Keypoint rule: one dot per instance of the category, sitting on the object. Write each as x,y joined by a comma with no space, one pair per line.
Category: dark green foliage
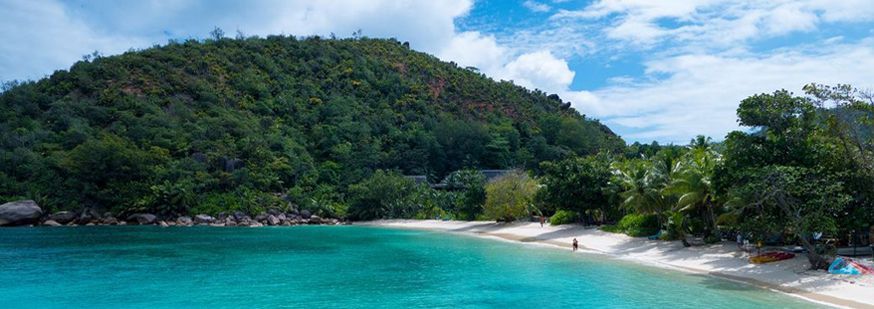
564,217
201,125
469,188
638,225
383,195
788,177
576,184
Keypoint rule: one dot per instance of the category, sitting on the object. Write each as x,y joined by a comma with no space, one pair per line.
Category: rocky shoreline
28,213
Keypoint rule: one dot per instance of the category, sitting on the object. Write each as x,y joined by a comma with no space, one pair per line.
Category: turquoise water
332,266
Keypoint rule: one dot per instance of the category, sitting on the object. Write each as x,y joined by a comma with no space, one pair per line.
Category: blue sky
651,70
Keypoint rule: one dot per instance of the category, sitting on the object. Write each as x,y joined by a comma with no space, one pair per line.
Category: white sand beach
722,260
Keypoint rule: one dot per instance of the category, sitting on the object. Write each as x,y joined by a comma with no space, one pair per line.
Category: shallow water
333,266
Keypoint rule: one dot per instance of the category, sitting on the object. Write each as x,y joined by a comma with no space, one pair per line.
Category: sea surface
333,267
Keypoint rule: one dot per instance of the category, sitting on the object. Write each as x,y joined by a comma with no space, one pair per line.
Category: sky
661,71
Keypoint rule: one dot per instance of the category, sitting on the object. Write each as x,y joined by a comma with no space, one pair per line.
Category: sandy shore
721,260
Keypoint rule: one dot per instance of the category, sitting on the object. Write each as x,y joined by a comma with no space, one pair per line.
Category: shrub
564,217
637,225
382,195
472,192
612,228
510,197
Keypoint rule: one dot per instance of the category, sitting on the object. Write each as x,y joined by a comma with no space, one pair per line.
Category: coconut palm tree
691,183
641,185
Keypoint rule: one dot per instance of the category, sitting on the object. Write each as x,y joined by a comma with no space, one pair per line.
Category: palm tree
641,185
691,182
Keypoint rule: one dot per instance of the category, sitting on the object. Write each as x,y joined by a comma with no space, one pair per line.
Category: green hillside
237,123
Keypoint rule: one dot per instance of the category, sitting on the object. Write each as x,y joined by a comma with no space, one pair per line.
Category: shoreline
723,260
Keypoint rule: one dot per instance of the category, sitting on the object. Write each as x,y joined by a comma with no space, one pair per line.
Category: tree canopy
201,124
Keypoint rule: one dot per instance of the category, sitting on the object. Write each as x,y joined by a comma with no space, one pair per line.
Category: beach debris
771,257
848,266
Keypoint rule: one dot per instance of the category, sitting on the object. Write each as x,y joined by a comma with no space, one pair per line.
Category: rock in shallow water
142,219
63,217
272,220
184,221
203,219
109,220
19,213
51,222
315,219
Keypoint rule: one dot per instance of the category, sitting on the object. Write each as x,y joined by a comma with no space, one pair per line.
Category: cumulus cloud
721,22
535,6
539,70
702,92
476,50
42,36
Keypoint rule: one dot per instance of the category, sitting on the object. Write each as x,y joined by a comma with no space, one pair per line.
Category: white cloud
535,6
40,37
476,50
539,70
702,92
43,36
715,22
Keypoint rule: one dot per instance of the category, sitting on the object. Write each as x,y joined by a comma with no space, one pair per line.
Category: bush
510,197
637,225
612,228
472,193
564,217
383,195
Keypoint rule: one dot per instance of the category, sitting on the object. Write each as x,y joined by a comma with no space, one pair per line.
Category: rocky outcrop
238,215
272,220
51,223
142,219
19,213
203,219
63,217
184,221
315,220
109,220
88,215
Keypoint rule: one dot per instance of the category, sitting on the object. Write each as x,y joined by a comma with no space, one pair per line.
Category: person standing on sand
576,245
542,219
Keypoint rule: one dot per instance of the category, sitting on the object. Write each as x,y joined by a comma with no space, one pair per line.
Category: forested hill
233,123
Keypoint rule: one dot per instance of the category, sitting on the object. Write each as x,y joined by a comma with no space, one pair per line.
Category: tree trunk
709,203
816,260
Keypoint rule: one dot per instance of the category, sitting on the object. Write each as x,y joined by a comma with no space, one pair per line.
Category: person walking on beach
576,245
542,219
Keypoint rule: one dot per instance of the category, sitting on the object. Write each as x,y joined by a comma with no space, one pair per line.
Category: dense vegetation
251,123
803,166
